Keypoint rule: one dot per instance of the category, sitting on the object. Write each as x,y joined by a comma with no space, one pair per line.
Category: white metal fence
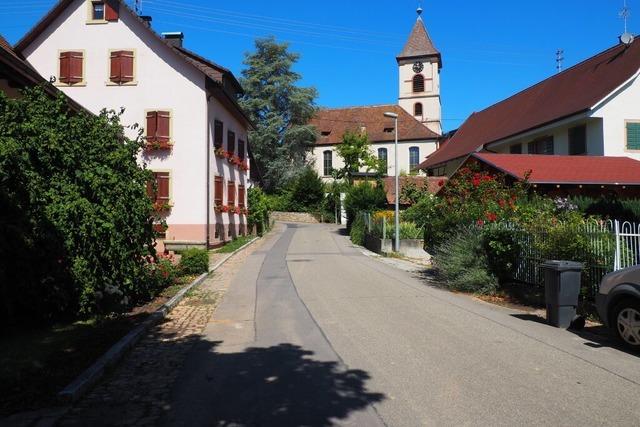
608,246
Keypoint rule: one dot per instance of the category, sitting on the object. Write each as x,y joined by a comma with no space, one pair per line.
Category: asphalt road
313,332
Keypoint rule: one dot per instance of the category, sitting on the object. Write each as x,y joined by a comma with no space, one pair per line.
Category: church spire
419,43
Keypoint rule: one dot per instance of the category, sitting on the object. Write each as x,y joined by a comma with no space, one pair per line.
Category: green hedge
194,261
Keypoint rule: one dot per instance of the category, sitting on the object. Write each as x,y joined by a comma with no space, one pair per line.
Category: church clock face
418,67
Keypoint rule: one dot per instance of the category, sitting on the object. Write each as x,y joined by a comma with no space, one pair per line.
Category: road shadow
596,336
279,385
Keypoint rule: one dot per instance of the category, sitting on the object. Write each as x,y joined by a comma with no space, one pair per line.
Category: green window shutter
633,136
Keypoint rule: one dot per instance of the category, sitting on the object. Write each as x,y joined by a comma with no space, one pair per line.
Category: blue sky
491,49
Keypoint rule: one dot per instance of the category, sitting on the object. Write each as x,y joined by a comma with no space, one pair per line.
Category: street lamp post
394,116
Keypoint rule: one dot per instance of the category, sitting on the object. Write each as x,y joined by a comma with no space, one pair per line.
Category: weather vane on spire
419,10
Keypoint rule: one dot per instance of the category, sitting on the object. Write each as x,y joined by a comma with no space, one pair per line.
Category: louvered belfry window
121,66
71,65
418,83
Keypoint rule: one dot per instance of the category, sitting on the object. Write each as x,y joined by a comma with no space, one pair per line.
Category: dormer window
325,133
97,11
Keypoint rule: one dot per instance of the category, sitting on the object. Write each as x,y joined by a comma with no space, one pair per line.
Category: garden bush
463,263
162,274
364,197
194,261
358,230
75,218
307,192
258,216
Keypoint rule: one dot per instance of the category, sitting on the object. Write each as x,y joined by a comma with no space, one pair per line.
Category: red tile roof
545,169
419,43
432,183
5,45
575,90
337,121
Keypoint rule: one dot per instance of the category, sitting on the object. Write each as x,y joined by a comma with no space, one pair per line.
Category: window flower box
161,206
157,146
221,153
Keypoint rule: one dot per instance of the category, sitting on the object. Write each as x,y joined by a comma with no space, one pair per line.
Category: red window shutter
231,142
65,67
241,196
218,129
163,133
218,190
162,178
152,126
116,67
126,66
231,193
111,9
75,67
241,149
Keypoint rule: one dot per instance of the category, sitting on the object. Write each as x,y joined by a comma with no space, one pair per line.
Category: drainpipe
208,177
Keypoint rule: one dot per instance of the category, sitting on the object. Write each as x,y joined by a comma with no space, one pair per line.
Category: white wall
426,148
430,98
623,106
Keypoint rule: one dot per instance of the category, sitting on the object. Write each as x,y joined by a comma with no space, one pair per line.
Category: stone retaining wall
294,217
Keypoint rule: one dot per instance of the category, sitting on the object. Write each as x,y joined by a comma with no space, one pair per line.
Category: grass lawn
35,364
233,245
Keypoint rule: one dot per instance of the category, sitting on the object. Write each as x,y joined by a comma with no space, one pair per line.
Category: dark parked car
618,303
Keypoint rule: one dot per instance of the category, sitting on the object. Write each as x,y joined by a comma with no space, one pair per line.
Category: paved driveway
313,332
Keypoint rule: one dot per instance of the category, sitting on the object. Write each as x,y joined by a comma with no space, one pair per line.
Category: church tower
420,64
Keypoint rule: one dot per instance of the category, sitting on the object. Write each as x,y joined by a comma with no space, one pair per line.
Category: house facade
103,55
419,114
590,109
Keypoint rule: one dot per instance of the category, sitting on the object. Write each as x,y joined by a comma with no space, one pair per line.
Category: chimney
147,20
174,39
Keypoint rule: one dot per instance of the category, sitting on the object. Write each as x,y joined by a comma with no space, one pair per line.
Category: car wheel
626,322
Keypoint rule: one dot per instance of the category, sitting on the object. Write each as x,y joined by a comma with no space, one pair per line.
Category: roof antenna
625,14
559,59
138,7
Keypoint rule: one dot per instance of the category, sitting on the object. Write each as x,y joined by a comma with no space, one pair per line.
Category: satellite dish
626,38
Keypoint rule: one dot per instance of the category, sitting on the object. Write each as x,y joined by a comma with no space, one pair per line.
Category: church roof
333,123
419,43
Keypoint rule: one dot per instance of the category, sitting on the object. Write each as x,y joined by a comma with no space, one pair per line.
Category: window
218,190
541,146
578,140
418,83
388,130
218,129
382,156
417,109
515,149
97,11
414,157
325,133
633,135
231,142
104,11
71,67
161,193
328,162
241,149
158,127
121,66
231,193
241,196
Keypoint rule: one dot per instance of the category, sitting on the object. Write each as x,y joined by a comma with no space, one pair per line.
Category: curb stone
87,379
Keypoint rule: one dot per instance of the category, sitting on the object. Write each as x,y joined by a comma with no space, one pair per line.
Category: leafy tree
364,197
280,110
258,210
355,151
75,219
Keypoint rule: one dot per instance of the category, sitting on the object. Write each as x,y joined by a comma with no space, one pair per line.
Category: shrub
462,260
408,230
258,210
307,192
357,231
422,212
364,197
503,248
279,202
194,261
162,275
609,207
75,218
